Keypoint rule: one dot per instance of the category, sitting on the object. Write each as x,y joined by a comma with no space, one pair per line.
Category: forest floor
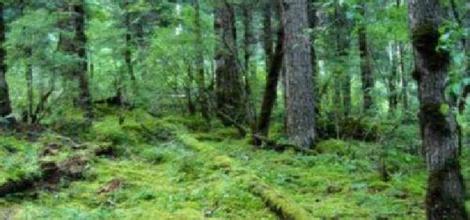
176,168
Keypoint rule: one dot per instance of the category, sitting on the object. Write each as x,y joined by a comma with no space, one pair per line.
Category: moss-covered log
51,173
279,204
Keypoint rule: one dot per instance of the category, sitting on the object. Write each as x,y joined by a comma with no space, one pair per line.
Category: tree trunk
80,40
366,64
188,90
5,106
200,77
392,79
300,103
445,197
404,77
29,85
268,35
343,85
128,49
229,88
270,92
248,72
312,21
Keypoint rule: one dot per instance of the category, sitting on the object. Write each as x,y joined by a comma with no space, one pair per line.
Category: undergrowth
177,168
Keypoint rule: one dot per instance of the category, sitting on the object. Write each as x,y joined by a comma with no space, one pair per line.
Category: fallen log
50,174
284,208
274,145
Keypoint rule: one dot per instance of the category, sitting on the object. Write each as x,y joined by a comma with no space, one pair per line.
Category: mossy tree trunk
229,87
5,106
300,104
445,197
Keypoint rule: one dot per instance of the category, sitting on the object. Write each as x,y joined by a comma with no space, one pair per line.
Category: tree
343,84
229,88
366,64
272,81
300,105
5,106
445,193
85,100
77,46
128,48
392,78
268,34
200,74
248,40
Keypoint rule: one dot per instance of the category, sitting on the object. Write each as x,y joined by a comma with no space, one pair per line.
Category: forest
234,109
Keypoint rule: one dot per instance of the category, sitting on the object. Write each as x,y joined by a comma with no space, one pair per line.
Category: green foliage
19,158
332,147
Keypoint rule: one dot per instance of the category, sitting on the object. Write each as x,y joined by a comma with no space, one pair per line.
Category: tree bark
85,100
300,104
404,77
5,105
29,86
229,88
200,74
270,92
188,90
445,197
366,64
312,21
392,79
268,35
248,72
128,49
343,86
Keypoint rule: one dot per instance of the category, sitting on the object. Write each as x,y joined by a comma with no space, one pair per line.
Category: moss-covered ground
177,168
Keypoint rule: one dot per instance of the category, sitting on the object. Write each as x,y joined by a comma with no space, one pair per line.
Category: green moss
279,203
333,146
183,176
109,129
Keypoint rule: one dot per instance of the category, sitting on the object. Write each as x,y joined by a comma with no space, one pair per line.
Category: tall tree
343,84
229,86
128,48
200,74
300,105
268,34
445,197
366,63
5,106
404,77
248,40
85,100
312,21
392,78
270,92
